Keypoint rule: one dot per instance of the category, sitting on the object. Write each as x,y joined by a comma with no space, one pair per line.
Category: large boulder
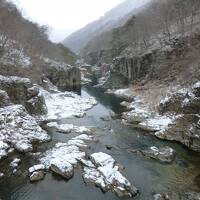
37,176
36,102
64,169
163,154
104,172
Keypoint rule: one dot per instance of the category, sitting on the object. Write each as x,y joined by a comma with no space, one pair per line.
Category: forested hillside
24,44
157,26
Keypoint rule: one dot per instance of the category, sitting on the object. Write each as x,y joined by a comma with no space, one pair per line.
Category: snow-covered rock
102,159
68,128
104,173
126,94
65,156
4,148
37,176
19,130
62,168
69,152
164,154
66,105
15,163
156,123
38,167
1,175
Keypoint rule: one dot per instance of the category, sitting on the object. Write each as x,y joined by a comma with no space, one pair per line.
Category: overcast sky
65,16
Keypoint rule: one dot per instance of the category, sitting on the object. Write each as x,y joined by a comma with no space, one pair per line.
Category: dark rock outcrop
64,77
22,91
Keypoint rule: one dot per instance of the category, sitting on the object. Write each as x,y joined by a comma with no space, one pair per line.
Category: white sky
65,16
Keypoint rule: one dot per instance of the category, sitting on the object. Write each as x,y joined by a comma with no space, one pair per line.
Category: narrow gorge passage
114,138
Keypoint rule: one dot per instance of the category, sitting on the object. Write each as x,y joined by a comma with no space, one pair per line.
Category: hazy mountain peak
113,18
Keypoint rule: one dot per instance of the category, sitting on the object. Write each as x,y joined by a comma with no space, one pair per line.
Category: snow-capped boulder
37,176
163,154
35,103
62,168
103,172
38,167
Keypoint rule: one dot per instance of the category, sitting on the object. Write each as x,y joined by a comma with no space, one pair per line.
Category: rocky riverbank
20,131
175,117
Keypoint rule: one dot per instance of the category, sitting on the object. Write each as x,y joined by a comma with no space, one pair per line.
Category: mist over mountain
112,19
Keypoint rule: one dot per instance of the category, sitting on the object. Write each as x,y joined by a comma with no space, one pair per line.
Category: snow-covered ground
66,105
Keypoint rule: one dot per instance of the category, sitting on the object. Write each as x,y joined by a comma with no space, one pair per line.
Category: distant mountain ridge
112,19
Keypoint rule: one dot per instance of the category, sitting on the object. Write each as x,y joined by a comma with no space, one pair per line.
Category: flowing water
148,175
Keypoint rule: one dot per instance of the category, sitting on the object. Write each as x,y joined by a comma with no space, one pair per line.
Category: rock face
64,77
19,130
21,91
186,128
103,172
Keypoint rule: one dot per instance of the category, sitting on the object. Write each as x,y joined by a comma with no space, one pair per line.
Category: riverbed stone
62,168
37,176
163,154
38,167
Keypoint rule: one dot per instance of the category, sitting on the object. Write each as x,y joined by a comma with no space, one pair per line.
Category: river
148,175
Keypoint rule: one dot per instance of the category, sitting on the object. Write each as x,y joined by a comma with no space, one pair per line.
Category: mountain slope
113,18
